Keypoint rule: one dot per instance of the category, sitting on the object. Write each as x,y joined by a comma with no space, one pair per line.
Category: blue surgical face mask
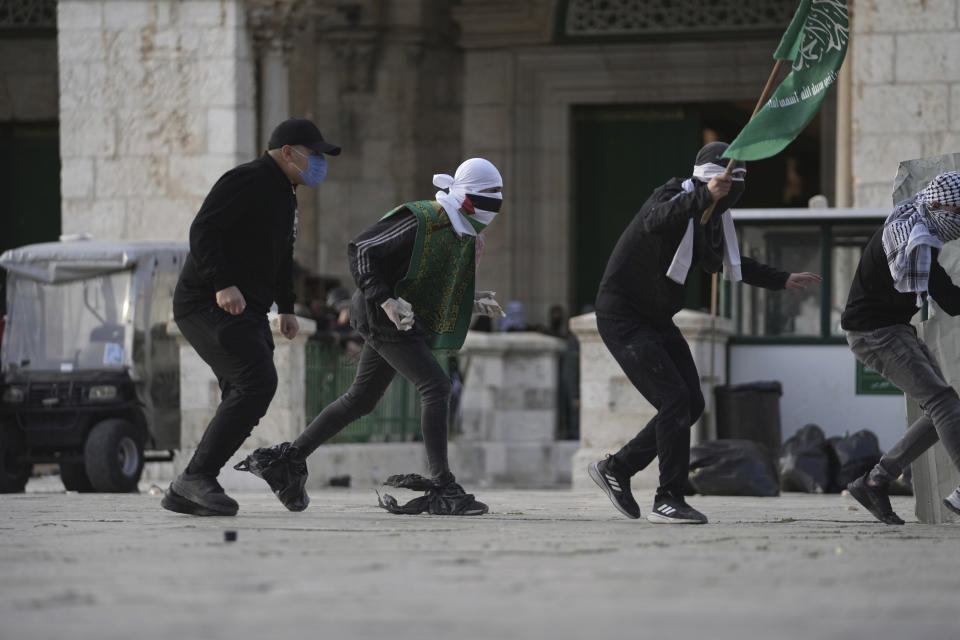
316,169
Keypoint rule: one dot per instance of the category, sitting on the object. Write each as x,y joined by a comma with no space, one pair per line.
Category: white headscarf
683,257
471,177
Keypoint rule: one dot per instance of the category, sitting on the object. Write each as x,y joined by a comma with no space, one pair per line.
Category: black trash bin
750,411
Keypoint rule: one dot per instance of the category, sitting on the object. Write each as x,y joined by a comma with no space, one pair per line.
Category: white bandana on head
914,228
471,177
683,258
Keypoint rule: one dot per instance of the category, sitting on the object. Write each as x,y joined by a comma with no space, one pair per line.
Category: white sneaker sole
594,473
656,518
949,505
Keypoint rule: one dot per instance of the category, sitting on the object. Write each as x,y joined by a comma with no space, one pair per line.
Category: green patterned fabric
440,280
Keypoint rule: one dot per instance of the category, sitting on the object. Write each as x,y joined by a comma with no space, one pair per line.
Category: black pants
379,363
239,349
658,363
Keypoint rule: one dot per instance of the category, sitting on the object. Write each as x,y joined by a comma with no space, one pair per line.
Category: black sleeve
758,274
942,289
663,210
390,241
283,288
223,210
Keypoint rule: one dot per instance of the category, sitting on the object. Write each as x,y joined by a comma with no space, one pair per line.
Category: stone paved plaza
543,564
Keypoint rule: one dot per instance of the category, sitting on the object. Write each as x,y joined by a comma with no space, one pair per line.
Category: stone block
919,62
876,157
518,425
103,218
81,44
191,176
204,13
489,129
84,85
130,177
128,14
151,131
76,178
873,195
87,132
222,130
902,109
79,14
160,218
873,58
378,160
877,16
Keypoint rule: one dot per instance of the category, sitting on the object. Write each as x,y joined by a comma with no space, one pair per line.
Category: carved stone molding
275,24
497,23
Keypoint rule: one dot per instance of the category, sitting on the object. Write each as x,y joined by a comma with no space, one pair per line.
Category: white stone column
612,411
509,410
156,102
200,396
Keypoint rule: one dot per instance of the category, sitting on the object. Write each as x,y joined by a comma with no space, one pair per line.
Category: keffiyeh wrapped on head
915,228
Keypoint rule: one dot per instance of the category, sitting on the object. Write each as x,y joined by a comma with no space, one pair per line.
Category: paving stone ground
542,564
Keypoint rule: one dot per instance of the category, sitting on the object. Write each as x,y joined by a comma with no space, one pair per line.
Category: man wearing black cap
240,263
641,290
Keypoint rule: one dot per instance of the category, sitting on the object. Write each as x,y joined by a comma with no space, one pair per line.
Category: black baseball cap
294,131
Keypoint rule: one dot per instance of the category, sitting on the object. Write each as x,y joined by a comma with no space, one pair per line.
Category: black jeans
239,349
659,364
379,362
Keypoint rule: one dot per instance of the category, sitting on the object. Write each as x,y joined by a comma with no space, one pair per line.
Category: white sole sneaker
656,518
952,501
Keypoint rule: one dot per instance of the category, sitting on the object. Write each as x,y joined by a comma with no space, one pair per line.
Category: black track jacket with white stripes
379,259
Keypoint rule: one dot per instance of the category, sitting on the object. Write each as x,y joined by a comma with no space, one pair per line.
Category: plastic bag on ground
855,455
448,500
732,468
805,462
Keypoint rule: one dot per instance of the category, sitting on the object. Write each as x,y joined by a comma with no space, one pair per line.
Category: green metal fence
330,372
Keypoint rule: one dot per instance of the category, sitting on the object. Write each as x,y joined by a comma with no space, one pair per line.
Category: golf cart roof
56,262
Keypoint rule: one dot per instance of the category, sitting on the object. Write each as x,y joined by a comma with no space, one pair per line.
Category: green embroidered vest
440,280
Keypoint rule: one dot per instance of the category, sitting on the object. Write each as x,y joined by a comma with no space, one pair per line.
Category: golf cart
90,378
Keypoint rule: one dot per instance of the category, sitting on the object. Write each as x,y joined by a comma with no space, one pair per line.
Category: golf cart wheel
14,473
74,477
113,456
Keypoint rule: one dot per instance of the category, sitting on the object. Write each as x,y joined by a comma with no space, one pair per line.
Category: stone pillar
612,411
156,102
200,395
509,409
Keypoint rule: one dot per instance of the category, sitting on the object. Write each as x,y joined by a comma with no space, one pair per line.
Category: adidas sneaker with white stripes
616,486
668,509
952,501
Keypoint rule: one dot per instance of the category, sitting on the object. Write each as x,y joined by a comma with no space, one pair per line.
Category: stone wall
383,80
156,102
906,89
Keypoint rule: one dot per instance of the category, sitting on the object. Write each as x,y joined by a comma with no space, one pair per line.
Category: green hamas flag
816,42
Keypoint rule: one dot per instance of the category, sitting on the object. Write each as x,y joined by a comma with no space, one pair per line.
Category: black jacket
635,282
379,259
242,236
873,301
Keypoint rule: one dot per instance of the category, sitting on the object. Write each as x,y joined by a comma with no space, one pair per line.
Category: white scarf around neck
683,258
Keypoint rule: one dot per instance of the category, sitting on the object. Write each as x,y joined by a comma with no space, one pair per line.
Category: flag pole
767,90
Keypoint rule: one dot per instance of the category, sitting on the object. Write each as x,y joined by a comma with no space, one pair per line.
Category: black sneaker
952,501
670,509
198,495
452,500
616,486
875,499
280,467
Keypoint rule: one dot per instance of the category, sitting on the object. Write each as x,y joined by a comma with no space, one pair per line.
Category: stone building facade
159,97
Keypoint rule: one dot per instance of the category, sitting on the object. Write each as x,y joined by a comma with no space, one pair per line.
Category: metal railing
329,373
